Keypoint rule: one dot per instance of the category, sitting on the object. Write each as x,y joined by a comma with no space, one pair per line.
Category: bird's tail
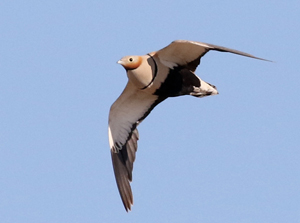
205,89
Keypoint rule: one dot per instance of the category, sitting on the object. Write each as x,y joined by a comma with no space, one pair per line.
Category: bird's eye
130,59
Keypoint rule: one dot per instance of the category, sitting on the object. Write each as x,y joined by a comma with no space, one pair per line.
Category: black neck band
154,75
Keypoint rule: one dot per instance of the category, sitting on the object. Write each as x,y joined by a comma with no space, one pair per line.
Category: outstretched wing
188,53
125,114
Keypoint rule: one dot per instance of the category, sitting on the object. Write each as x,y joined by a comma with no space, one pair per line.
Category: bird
152,78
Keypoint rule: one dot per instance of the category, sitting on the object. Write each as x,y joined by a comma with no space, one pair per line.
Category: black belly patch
180,81
172,84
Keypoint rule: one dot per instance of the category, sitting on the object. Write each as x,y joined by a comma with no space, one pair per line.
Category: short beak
120,62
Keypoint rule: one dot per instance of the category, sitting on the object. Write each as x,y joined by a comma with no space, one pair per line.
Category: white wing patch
110,138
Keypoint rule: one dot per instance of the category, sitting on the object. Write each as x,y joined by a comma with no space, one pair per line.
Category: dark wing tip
122,179
123,166
225,49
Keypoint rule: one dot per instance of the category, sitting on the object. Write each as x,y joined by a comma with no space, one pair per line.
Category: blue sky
233,157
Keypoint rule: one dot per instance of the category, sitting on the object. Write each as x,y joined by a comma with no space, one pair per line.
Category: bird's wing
123,166
126,113
188,53
132,106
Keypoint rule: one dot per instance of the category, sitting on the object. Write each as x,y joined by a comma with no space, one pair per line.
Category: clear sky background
230,158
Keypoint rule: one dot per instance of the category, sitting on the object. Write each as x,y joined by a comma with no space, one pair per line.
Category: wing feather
123,166
184,52
126,113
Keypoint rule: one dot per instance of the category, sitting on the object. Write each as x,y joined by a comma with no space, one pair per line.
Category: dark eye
130,59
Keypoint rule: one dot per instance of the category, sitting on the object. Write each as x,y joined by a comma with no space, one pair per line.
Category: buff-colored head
130,62
139,69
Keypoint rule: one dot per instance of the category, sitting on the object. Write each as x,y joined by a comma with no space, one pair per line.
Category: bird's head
139,69
130,62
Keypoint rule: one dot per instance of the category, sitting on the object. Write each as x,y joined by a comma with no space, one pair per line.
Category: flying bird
152,78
